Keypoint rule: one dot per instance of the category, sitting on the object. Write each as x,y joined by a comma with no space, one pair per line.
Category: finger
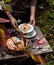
30,21
33,23
4,20
13,25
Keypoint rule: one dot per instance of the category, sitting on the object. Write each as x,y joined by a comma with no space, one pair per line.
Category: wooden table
34,51
44,47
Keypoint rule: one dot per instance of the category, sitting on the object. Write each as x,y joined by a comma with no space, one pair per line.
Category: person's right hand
12,19
14,23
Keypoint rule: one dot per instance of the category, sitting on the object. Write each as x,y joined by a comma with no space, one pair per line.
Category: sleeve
3,14
33,2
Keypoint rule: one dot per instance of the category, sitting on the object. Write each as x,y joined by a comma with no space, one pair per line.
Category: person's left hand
32,20
3,20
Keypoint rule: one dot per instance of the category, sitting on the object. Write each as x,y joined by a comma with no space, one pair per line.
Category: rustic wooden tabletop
45,48
42,49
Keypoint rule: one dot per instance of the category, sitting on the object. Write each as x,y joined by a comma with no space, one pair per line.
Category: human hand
13,22
2,20
32,20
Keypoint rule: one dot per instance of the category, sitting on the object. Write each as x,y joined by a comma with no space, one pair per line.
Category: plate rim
26,31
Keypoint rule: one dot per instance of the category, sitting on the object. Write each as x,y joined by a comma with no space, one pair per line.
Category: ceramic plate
31,28
31,36
15,43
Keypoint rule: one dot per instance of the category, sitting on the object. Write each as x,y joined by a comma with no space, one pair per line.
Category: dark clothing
20,7
20,10
24,19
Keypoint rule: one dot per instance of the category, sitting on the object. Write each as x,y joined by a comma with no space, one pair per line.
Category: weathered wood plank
46,45
34,51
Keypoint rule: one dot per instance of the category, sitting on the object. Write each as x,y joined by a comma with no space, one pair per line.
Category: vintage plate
33,34
24,31
15,44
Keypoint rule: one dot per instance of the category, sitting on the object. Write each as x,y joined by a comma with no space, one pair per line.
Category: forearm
32,11
8,13
33,4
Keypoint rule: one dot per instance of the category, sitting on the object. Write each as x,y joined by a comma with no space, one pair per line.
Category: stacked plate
28,30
